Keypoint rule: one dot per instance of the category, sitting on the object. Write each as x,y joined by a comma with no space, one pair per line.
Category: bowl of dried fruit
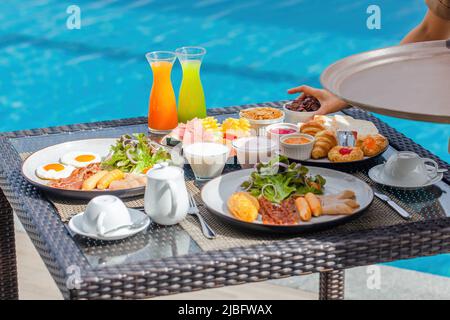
301,109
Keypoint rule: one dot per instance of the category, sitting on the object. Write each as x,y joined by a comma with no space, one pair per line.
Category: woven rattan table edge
173,264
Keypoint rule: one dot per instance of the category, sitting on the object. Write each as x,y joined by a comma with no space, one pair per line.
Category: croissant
372,145
325,140
312,128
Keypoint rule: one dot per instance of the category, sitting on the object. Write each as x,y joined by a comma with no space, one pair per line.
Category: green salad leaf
134,154
278,179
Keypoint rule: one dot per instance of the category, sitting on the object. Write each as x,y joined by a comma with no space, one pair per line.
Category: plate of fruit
208,129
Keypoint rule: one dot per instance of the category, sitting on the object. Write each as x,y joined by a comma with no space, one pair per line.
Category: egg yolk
54,166
85,158
146,170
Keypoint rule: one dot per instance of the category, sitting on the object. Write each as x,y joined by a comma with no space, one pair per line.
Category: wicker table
83,271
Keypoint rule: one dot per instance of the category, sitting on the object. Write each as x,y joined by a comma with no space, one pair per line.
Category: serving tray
408,81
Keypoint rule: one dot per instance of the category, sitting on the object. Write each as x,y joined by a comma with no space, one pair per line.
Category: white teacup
408,169
104,213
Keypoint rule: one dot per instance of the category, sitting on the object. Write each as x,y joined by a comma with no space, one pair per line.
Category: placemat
422,204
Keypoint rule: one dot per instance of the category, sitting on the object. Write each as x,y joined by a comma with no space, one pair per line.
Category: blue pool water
257,49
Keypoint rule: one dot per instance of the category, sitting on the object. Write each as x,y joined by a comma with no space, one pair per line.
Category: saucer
75,224
376,175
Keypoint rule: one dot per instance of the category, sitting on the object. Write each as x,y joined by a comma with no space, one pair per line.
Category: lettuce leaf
278,179
133,154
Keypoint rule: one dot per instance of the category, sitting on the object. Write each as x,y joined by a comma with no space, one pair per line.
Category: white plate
75,224
375,174
216,193
53,154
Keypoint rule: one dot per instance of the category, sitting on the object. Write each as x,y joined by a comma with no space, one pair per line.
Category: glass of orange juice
162,110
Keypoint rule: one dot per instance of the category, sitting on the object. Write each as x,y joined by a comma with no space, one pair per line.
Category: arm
431,28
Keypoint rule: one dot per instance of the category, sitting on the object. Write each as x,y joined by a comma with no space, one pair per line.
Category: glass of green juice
191,98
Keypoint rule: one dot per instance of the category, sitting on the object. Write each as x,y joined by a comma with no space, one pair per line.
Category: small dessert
372,145
345,154
312,128
262,113
324,142
305,103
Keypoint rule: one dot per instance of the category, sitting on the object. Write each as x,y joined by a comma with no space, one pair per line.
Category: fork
193,210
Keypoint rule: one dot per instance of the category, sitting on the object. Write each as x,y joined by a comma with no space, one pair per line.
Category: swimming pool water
51,75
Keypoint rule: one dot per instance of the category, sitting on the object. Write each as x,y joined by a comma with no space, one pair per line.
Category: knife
402,212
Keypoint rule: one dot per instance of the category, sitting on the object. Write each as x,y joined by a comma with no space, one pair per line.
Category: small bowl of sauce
297,146
297,140
278,130
282,131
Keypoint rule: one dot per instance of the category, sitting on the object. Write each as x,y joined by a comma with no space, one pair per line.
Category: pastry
345,154
372,145
312,128
325,140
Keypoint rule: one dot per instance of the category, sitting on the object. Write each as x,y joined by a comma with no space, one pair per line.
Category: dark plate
216,193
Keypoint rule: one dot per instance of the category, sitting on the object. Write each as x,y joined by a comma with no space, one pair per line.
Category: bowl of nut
261,117
301,109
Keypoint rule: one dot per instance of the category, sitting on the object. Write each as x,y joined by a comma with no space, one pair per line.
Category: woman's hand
329,103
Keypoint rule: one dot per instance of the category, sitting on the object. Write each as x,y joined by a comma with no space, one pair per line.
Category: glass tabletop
155,243
160,242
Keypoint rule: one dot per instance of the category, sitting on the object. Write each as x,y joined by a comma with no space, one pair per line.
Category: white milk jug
166,198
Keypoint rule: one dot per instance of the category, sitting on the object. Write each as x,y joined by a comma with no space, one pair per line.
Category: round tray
409,81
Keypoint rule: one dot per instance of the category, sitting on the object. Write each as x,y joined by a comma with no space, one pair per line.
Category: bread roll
312,128
325,140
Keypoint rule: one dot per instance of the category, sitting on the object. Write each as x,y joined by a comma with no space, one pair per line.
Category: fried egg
80,159
54,171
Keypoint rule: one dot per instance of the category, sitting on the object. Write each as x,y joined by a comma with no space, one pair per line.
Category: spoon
135,225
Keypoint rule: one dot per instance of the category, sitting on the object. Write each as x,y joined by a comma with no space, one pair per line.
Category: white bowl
252,150
259,127
297,151
276,136
297,116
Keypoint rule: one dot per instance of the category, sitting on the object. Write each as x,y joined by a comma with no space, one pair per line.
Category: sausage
314,204
303,209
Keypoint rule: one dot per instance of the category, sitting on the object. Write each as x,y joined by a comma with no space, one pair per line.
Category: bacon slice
75,180
284,214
